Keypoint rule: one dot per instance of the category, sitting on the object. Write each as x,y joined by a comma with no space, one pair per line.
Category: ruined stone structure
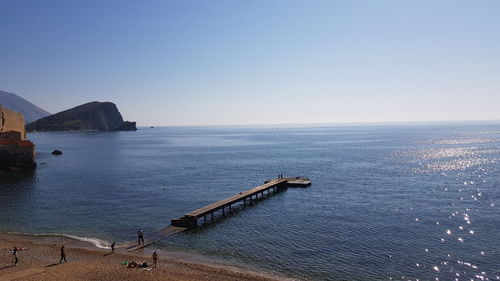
11,120
16,153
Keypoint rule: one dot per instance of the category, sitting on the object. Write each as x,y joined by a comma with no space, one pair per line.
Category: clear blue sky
256,61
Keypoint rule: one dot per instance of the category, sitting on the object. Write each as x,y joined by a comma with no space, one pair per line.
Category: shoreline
88,262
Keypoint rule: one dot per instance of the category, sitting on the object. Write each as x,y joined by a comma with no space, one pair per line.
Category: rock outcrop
30,111
92,116
127,126
15,152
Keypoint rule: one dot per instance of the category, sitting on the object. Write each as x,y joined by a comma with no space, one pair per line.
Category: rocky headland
92,116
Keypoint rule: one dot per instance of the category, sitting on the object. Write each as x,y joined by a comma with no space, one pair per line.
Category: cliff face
92,116
30,111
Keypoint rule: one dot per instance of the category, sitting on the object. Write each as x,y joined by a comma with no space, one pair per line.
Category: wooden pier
190,220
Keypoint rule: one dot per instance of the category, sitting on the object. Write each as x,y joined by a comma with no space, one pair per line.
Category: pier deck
190,220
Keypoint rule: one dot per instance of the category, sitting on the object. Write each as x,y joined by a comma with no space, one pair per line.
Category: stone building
16,153
11,120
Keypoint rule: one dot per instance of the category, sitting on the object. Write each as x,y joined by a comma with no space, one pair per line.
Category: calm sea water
400,202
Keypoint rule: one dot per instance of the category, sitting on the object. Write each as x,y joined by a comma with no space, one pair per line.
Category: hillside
92,116
30,111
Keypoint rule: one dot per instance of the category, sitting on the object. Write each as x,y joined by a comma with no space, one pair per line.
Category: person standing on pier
140,237
63,255
155,258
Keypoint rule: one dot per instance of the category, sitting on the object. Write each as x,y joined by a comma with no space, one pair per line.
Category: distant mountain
30,111
92,116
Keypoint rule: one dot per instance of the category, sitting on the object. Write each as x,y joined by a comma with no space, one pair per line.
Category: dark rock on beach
56,152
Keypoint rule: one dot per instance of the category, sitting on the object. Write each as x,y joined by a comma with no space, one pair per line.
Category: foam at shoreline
99,243
46,237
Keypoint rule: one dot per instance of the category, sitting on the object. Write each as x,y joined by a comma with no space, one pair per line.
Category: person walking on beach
14,252
155,258
63,255
113,247
140,237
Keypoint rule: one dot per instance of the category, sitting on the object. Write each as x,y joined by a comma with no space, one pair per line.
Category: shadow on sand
7,266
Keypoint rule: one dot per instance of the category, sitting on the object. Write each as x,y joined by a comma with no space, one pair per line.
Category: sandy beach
86,262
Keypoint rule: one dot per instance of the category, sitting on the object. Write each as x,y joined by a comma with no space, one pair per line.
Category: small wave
99,243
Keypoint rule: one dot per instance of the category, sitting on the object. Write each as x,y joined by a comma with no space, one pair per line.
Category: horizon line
361,123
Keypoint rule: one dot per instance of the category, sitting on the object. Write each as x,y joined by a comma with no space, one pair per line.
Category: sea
416,201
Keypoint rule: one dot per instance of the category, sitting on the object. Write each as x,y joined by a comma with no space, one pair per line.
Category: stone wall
11,120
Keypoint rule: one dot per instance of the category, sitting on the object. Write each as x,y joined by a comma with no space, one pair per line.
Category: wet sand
86,262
